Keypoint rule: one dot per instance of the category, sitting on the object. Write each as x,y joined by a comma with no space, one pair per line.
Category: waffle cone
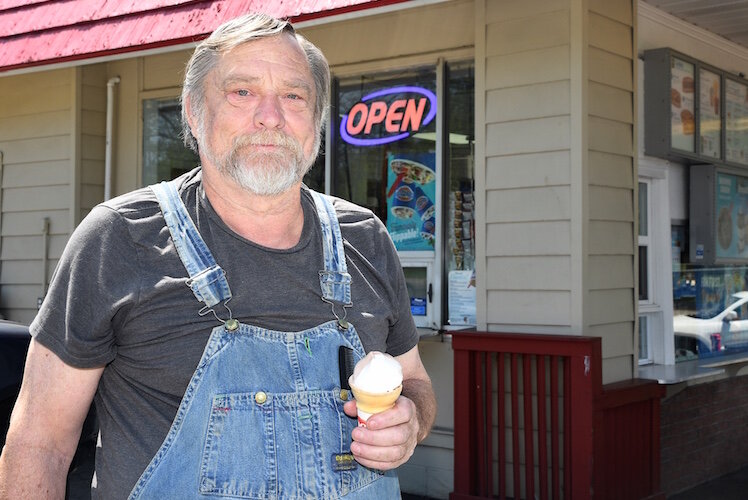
375,402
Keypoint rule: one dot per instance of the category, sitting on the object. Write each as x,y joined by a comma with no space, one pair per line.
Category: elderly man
205,316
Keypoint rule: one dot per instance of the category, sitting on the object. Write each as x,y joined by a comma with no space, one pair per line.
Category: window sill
697,370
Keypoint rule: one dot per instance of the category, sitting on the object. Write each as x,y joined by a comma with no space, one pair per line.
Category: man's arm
45,426
390,437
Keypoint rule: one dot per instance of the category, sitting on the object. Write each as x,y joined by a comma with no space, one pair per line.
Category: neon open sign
400,117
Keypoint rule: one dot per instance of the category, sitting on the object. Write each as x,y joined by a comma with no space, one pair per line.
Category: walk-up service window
403,147
695,115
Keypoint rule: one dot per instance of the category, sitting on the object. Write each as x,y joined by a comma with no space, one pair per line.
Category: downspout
109,133
45,256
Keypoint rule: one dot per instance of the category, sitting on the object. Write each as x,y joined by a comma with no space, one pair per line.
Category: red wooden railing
532,417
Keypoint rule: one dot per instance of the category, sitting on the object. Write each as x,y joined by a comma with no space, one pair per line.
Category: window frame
658,308
165,93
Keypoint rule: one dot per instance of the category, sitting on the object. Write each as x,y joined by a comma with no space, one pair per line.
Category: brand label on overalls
343,461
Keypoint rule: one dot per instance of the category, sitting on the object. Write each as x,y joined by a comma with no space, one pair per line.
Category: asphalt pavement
732,486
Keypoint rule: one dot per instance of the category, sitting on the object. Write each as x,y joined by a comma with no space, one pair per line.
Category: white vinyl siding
558,148
36,145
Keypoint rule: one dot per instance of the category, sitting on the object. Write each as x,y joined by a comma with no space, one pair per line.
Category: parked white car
728,329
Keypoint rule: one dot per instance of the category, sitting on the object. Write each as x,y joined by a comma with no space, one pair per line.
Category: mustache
265,138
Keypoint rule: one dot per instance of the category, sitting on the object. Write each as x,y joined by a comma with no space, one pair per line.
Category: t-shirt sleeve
93,287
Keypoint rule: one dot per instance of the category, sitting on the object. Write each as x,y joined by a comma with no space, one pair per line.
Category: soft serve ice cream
376,384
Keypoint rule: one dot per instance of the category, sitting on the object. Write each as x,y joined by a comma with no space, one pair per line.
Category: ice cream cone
369,404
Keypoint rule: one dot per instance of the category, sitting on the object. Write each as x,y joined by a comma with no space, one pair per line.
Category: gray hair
236,32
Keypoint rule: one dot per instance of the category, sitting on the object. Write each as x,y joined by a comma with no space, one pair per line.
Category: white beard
264,173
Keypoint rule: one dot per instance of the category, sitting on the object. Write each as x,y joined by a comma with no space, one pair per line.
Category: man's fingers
350,409
391,436
402,412
381,457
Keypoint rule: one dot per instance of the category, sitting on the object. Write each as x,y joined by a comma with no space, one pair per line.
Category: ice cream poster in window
411,194
731,200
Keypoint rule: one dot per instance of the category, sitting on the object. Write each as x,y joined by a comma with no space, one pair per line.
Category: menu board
682,121
731,212
710,124
736,122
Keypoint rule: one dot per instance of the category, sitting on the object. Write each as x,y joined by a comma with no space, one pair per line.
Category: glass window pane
385,151
164,154
711,309
460,159
643,209
643,274
459,190
643,339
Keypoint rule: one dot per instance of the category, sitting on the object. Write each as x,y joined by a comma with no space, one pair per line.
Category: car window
742,311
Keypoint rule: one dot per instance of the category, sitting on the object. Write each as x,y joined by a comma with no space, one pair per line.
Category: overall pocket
239,458
282,445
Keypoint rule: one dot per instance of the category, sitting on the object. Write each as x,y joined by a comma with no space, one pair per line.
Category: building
561,189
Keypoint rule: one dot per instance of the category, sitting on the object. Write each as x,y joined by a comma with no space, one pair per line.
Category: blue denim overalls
262,416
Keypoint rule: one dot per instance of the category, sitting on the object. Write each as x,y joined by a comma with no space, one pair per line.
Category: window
645,257
409,158
653,337
459,254
645,349
164,154
374,168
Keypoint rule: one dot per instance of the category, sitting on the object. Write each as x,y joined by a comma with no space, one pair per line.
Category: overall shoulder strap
334,278
207,279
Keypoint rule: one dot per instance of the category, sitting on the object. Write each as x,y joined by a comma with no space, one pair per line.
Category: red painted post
580,427
529,461
501,390
462,424
515,429
489,424
542,450
555,438
479,422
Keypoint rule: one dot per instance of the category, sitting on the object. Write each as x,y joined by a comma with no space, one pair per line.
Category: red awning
39,32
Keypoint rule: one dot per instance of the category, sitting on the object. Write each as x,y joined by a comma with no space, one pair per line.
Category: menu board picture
411,194
710,124
731,212
682,120
736,122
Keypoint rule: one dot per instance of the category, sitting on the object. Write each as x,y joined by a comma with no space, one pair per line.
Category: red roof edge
193,38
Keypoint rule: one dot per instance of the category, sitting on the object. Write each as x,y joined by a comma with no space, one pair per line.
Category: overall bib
262,416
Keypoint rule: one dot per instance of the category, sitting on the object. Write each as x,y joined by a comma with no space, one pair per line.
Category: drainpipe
109,133
45,253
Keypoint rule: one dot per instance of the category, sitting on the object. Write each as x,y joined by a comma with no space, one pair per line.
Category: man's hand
389,438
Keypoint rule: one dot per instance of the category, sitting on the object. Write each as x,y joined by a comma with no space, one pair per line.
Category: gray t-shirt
119,299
